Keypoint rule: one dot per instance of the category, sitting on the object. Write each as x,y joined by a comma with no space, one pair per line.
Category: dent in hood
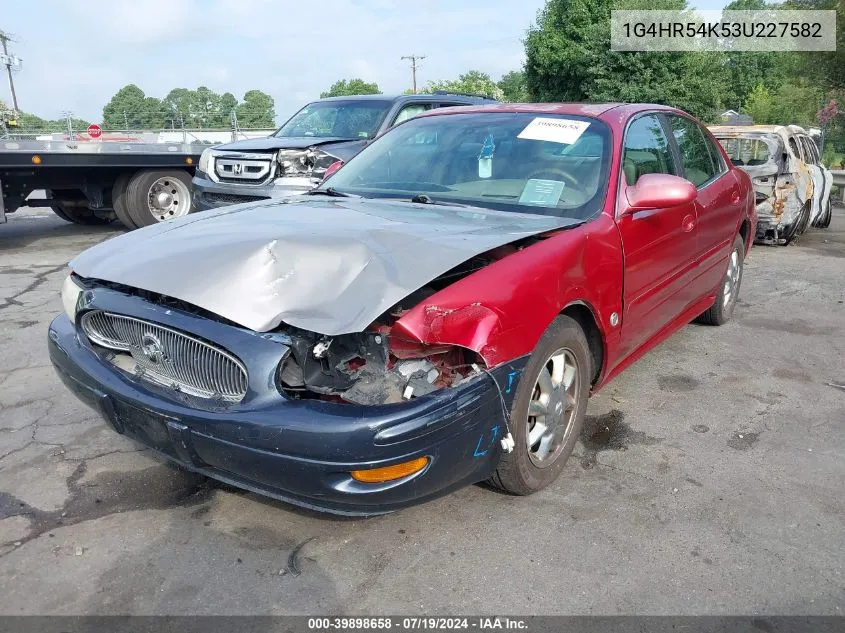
328,266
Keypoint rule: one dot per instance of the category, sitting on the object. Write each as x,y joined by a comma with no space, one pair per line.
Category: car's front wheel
548,410
723,308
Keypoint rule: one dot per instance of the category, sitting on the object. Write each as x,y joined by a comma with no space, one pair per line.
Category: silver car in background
791,184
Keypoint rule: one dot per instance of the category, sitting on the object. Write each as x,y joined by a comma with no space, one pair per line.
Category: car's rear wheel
722,309
824,221
548,410
799,226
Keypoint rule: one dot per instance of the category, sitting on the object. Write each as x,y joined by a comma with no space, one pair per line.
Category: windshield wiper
330,191
424,198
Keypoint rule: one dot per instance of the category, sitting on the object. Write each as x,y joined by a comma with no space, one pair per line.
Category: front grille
169,357
246,169
232,198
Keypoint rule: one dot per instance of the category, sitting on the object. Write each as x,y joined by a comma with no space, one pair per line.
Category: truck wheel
59,211
157,196
548,410
118,196
722,309
76,210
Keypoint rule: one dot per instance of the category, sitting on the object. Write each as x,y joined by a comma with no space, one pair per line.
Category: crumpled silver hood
331,266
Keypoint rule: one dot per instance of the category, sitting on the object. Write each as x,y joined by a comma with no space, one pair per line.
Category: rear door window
809,155
646,150
793,147
695,154
410,111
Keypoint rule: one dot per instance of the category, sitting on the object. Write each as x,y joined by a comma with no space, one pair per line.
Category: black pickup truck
295,158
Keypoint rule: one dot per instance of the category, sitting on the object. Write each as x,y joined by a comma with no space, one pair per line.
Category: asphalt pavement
710,480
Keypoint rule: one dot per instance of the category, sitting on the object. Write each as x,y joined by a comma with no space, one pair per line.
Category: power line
414,59
12,63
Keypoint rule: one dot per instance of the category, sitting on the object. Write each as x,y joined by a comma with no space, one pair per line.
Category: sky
77,53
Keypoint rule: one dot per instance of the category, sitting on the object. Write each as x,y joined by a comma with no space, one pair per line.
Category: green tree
568,58
825,68
126,107
177,105
473,82
745,69
228,103
350,87
759,105
256,111
27,121
513,86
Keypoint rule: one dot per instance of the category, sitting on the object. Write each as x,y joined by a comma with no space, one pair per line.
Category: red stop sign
95,131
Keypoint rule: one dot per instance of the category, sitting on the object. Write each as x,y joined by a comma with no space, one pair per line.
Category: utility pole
68,115
12,63
414,59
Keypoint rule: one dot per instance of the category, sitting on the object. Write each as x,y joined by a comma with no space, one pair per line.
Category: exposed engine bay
376,367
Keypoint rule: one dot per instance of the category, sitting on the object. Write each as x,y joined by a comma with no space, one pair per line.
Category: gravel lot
709,481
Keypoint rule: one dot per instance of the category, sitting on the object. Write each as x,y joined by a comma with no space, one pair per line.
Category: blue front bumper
299,451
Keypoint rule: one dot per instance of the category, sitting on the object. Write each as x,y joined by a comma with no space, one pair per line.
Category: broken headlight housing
309,162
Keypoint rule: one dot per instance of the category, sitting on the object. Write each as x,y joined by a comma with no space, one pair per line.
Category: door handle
688,223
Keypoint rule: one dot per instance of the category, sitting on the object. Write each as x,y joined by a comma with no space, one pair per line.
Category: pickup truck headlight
309,162
71,291
205,161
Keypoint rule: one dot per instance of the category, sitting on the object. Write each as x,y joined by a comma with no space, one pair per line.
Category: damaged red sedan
435,314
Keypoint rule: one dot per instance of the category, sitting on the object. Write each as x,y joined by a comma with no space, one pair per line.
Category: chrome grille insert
245,168
169,357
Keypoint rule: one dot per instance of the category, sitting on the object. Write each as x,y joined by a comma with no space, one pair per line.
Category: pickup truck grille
245,169
231,198
169,357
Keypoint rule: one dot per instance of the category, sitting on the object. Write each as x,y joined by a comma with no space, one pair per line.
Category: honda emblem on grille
153,349
237,168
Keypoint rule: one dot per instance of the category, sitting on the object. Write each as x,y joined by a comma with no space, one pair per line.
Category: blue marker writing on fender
478,452
511,377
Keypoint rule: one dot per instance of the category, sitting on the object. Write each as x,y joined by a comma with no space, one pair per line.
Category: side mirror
659,191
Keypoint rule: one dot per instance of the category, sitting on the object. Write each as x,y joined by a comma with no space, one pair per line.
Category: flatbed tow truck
95,182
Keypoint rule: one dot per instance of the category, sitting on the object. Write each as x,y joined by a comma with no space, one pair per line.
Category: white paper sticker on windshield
542,193
565,131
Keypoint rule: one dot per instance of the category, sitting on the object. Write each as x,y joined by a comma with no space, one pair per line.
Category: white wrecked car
791,185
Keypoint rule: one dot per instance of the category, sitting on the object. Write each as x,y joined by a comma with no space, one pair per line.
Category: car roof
443,96
756,129
606,111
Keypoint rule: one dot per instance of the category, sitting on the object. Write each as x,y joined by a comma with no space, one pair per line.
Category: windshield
550,165
747,152
351,119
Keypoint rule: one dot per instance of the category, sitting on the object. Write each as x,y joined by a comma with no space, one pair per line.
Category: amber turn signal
36,159
389,473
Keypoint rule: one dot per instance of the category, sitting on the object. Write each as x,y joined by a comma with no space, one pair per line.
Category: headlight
205,161
310,162
70,296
